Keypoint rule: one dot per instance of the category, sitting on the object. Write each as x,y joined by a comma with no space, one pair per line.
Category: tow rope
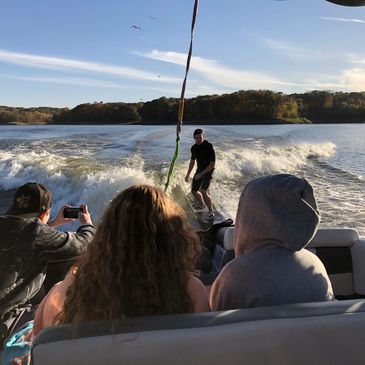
180,114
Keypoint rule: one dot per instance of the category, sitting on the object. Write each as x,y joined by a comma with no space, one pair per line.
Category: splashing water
91,164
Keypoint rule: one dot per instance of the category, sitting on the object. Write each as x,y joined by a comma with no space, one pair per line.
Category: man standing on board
203,152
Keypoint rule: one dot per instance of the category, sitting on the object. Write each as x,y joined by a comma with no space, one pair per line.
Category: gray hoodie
276,218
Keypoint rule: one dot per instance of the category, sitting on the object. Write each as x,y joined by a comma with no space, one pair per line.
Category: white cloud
343,19
69,81
356,58
226,77
35,61
298,53
194,88
211,76
354,79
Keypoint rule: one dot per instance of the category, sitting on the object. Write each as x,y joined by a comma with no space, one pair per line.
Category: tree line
241,107
14,115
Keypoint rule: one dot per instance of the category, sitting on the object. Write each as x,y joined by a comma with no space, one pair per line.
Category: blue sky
64,53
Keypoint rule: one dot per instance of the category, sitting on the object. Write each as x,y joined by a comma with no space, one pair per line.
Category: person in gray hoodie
276,218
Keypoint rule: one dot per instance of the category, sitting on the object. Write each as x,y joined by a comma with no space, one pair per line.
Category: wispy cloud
354,79
210,75
295,52
225,78
167,91
343,19
351,79
67,80
221,75
288,50
43,62
356,58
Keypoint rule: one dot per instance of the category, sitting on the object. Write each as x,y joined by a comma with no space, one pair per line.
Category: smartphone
72,212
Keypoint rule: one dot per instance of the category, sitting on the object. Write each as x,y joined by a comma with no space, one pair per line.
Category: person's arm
53,245
198,294
60,220
205,171
191,166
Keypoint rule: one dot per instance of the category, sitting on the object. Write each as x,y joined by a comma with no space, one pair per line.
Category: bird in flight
152,17
136,27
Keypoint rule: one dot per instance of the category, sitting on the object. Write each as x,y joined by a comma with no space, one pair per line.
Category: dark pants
203,182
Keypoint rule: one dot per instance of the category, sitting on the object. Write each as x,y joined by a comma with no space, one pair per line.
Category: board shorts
203,182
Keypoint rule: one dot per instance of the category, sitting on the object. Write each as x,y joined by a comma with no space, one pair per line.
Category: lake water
90,164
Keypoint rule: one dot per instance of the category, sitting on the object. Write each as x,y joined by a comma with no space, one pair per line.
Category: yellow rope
180,115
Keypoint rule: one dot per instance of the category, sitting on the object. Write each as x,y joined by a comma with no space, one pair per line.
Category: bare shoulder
198,294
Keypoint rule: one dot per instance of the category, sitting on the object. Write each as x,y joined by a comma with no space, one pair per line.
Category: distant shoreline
282,122
250,107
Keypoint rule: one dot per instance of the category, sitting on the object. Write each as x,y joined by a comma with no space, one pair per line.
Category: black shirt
203,154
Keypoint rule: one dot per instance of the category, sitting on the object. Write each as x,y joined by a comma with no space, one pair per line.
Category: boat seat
340,249
343,254
309,333
224,248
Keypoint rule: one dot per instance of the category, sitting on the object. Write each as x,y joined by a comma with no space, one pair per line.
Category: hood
277,208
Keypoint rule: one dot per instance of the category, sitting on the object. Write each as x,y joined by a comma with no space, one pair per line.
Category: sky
64,53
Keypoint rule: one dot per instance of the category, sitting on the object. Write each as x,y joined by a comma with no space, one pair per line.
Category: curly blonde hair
138,263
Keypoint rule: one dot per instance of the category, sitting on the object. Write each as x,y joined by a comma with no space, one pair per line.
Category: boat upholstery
341,251
228,239
343,254
223,249
309,333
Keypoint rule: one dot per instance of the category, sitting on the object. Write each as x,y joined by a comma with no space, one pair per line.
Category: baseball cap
31,198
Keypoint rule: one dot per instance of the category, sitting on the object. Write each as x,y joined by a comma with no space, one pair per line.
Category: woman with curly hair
140,262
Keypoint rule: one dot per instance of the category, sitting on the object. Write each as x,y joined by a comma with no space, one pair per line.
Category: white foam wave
97,189
270,159
72,180
16,169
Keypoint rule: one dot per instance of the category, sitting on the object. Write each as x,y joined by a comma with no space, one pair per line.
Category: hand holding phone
72,212
85,217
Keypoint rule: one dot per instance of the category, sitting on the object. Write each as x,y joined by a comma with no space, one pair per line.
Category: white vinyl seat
341,251
309,333
343,254
224,248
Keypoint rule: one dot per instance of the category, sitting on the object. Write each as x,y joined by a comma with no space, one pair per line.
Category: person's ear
44,216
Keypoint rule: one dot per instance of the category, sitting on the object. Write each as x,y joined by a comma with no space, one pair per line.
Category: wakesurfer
203,152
